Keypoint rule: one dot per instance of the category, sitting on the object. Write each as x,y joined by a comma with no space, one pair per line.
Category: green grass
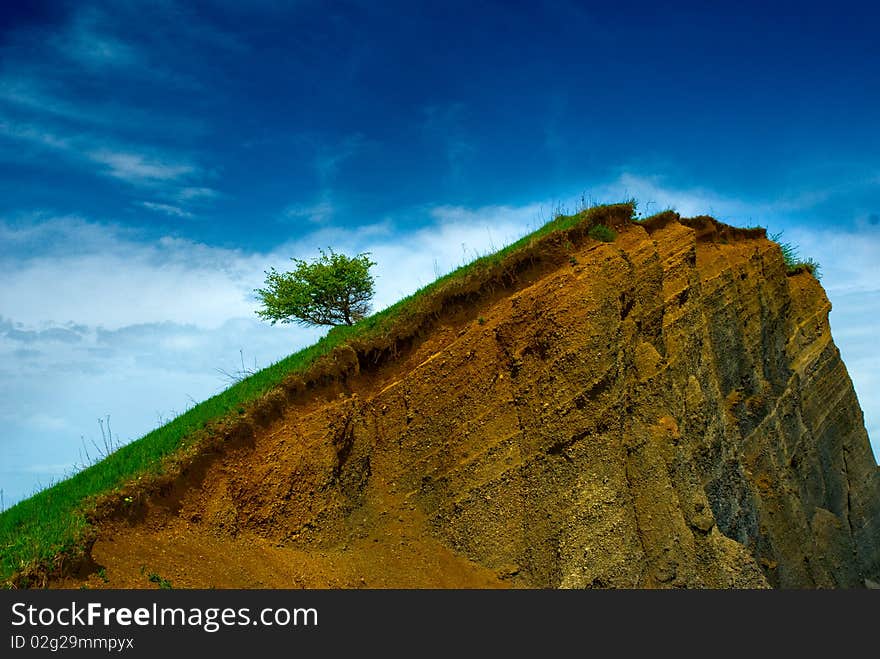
793,261
53,522
602,233
162,582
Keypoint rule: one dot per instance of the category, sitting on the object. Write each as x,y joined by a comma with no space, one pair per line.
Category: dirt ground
579,428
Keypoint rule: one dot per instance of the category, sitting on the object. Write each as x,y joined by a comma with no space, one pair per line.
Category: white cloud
28,94
89,43
46,422
319,213
123,288
34,134
110,279
55,102
330,157
195,193
854,328
654,194
39,233
406,262
167,209
121,162
849,259
139,168
444,125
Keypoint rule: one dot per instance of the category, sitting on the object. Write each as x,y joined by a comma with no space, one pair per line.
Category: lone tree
331,290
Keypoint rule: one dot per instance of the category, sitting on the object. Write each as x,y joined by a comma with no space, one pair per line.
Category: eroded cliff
668,409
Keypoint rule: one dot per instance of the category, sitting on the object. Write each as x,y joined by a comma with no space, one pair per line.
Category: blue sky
156,158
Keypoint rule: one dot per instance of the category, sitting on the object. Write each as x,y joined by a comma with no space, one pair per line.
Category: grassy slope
53,522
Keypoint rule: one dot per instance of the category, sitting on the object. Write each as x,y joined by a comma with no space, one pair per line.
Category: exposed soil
623,415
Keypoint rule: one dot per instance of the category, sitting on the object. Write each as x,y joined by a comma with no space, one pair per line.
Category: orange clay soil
225,526
606,418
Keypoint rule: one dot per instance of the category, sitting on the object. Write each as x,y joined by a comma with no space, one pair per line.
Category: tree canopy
333,289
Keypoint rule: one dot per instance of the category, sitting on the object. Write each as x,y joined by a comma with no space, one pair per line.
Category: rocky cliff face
665,410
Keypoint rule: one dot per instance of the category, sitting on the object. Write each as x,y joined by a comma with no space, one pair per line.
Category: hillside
664,410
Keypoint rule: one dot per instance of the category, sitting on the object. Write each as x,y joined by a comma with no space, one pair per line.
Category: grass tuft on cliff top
792,257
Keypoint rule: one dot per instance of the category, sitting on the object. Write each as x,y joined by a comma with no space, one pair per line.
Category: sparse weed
233,377
108,445
793,261
812,266
559,211
602,233
163,583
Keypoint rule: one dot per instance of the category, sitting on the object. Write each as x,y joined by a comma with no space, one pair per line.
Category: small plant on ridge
163,583
793,261
602,233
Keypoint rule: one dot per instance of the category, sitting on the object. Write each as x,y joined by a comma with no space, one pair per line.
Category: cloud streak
75,99
444,125
149,168
139,169
88,42
319,213
166,209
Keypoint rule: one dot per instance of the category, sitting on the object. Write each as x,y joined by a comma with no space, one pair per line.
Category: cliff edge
665,410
